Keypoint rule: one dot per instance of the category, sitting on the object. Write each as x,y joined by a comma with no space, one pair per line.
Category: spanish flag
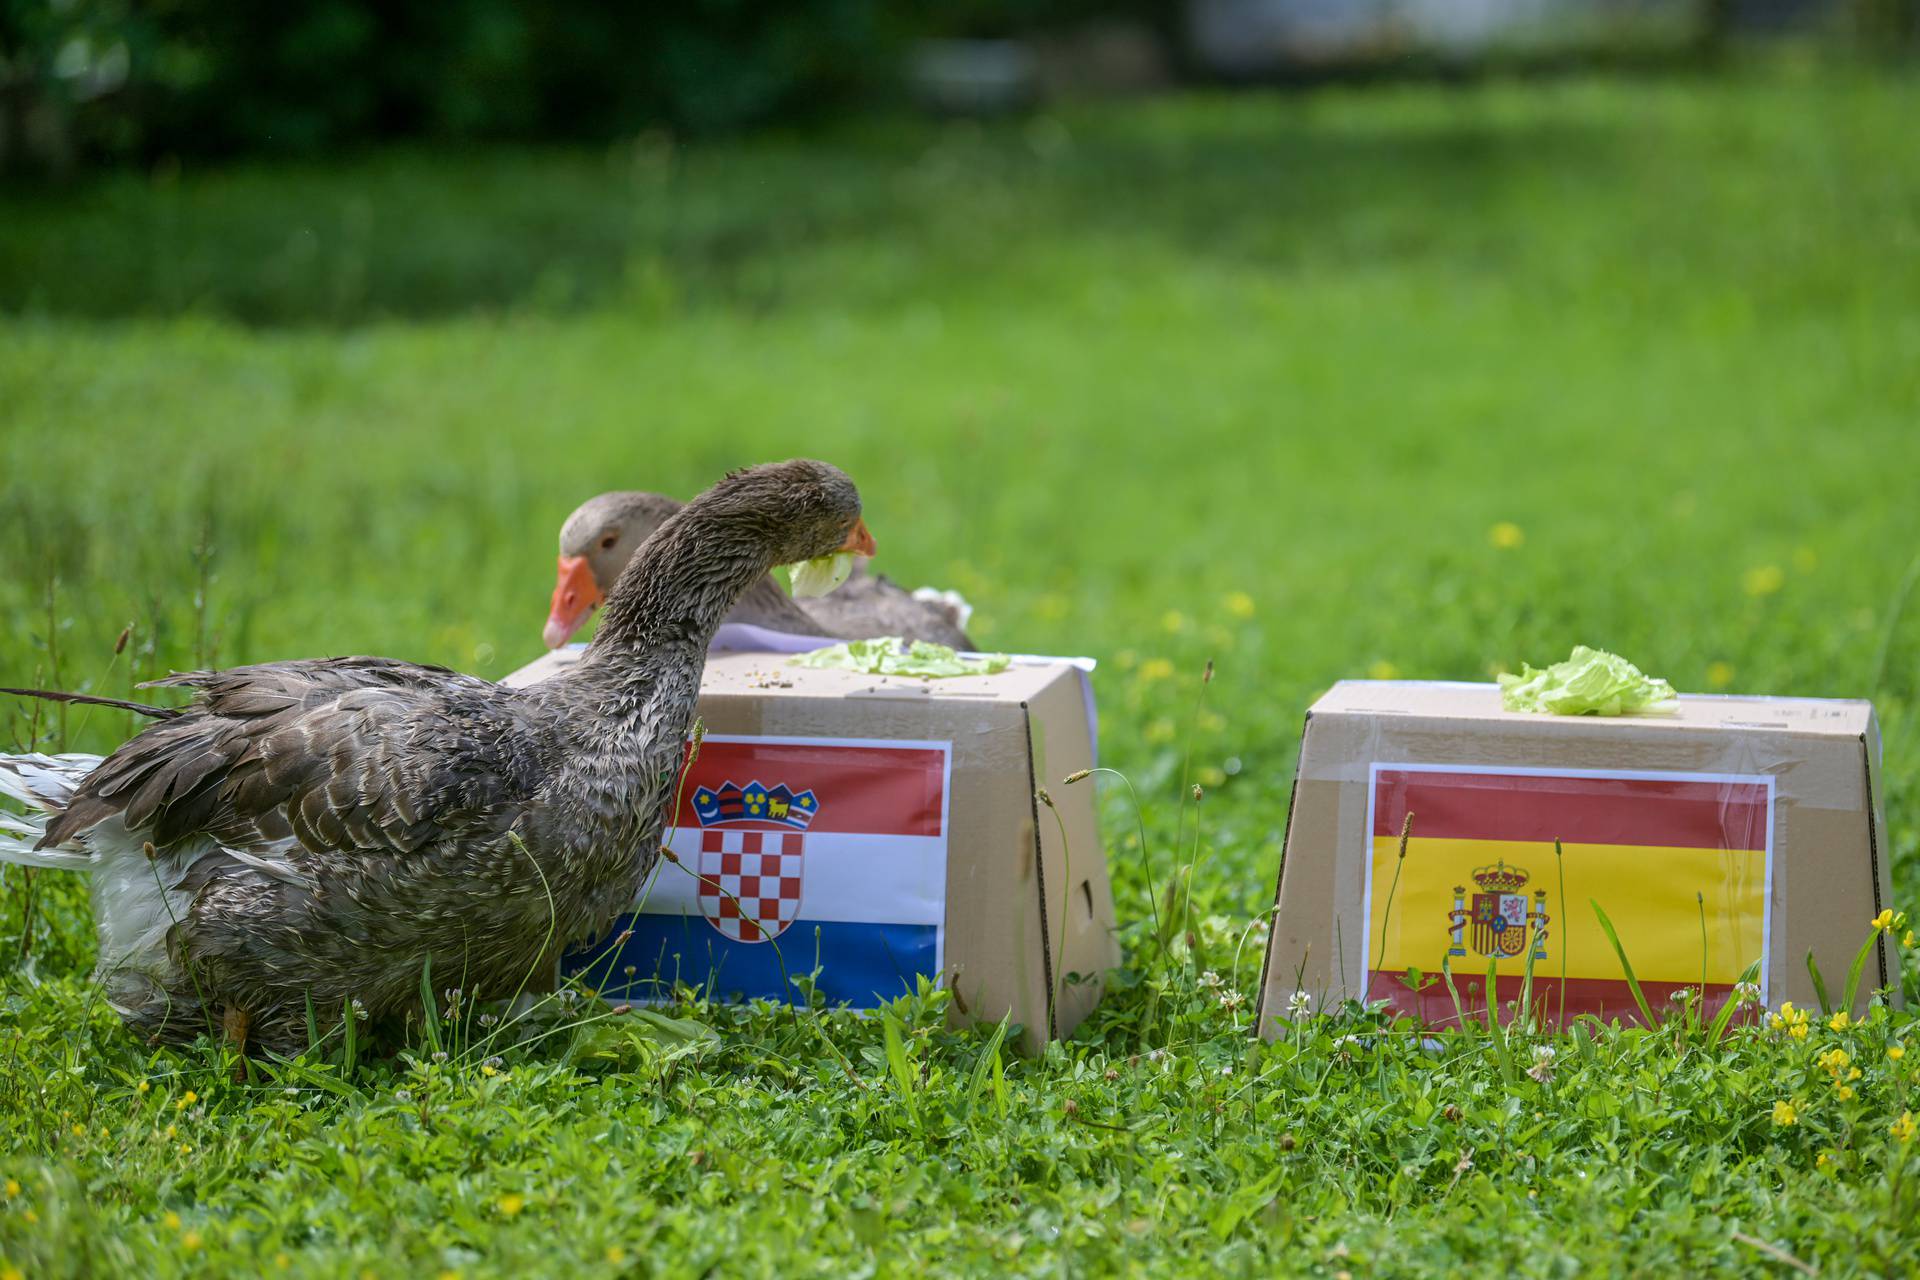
1679,862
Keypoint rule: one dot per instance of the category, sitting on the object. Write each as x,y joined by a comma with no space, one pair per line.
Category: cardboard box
1733,832
879,828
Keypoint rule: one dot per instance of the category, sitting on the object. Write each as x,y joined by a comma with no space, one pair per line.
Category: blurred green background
1249,376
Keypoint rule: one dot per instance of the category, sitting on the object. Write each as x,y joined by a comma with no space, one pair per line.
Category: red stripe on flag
1605,998
1505,806
865,790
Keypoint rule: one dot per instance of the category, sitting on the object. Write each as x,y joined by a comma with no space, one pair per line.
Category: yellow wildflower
1805,560
191,1097
487,1069
1908,940
1160,730
448,1274
282,1261
1382,670
79,1131
1832,1060
1173,621
1895,1052
186,1148
1762,580
1884,921
190,1241
1155,669
13,1186
1823,1161
12,1273
511,1204
29,1216
1239,604
171,1130
1507,535
142,1087
1784,1113
1798,1031
1854,1074
1904,1128
616,1256
171,1221
1840,1021
1719,674
1844,1092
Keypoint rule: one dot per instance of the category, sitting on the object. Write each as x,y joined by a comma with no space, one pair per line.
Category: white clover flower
1210,979
1746,993
439,1055
1299,1004
488,1019
401,1095
359,1008
1542,1068
1231,999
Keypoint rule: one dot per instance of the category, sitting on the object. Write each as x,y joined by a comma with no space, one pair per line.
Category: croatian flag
791,856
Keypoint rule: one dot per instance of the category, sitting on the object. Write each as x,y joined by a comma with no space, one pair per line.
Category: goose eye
607,540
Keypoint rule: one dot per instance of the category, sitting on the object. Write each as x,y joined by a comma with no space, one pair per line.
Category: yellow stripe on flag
1648,892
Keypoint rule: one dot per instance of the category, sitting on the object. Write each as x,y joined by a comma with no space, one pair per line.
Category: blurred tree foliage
123,79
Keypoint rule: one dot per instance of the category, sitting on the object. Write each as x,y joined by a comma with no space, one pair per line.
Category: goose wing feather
362,754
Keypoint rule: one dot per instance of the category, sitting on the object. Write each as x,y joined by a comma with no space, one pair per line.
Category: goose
603,533
319,831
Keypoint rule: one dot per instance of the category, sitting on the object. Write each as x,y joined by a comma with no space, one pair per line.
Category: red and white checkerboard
759,872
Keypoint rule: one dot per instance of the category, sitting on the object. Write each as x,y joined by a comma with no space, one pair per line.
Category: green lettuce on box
894,656
1591,682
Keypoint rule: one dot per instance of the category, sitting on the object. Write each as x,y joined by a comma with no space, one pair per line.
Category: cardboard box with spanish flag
864,832
1724,841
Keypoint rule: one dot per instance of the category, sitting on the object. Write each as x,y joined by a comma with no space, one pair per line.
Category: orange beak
574,595
860,542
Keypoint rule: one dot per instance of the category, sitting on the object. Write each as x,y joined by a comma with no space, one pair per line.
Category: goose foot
233,1024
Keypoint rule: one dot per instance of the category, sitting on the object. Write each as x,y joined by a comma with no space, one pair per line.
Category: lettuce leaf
1590,682
817,577
894,656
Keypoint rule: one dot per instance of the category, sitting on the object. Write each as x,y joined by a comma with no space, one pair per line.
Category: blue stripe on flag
860,964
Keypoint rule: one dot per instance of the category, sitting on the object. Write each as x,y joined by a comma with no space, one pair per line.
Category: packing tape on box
1360,739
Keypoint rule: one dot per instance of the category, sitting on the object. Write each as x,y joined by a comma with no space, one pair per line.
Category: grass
1249,378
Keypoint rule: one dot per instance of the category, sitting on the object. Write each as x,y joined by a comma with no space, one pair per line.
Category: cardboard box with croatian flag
1724,841
865,832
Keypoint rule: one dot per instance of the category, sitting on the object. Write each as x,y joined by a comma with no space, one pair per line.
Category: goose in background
602,534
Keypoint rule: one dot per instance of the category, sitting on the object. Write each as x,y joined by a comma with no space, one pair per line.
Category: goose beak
860,542
574,595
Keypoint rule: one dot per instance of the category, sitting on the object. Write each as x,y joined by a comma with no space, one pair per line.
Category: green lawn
1106,372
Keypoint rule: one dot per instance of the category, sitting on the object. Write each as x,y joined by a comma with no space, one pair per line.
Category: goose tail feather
44,784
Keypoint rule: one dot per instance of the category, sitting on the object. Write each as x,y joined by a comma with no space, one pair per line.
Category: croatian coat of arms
1499,918
751,856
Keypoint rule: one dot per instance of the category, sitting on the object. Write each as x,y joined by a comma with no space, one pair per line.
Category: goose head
794,511
595,544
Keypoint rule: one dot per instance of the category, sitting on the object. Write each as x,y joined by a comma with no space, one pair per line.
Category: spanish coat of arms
1499,918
